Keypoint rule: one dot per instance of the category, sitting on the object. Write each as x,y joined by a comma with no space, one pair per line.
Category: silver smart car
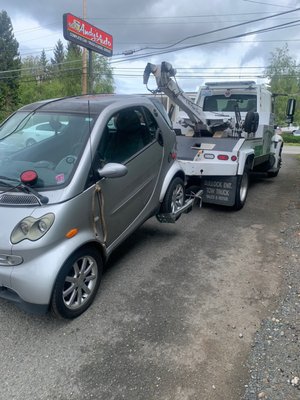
68,200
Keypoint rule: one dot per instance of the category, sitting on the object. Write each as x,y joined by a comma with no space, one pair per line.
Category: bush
290,138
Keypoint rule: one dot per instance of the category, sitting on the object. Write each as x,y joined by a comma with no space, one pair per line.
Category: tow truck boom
163,74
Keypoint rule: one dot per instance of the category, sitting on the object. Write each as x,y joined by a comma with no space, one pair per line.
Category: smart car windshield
46,142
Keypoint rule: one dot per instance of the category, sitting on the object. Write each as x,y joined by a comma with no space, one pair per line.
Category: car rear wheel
77,283
174,197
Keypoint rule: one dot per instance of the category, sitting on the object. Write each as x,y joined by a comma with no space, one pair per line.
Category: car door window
126,134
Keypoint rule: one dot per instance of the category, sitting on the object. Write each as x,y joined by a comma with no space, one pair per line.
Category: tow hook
195,199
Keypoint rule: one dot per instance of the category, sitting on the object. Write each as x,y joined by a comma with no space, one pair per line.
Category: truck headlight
32,228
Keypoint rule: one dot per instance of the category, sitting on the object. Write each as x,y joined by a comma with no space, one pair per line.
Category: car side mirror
112,170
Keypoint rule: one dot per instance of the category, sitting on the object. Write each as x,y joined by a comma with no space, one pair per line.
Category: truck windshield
46,142
219,102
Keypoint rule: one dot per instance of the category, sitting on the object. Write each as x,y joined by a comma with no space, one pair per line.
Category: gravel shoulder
274,365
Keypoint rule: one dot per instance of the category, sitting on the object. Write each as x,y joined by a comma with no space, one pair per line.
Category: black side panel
219,189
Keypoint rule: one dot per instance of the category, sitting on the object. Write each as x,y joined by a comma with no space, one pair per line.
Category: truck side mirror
290,107
290,110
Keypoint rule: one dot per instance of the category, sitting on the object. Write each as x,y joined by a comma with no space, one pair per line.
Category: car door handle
160,138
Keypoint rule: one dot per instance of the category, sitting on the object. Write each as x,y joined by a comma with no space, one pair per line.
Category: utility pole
84,54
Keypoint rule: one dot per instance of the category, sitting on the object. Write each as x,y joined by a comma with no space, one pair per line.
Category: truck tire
241,190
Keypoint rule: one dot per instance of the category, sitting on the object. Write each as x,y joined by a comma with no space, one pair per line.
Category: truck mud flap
219,190
196,199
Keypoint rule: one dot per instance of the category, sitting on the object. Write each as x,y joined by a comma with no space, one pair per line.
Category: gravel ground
274,362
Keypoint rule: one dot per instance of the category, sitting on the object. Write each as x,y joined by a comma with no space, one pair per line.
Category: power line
221,30
268,4
50,49
264,30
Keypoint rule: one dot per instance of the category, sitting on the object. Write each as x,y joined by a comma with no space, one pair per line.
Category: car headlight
32,228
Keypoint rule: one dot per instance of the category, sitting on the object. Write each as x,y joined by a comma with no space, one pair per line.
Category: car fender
39,290
175,170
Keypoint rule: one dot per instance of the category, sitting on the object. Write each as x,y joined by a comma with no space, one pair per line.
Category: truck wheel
174,197
77,283
241,190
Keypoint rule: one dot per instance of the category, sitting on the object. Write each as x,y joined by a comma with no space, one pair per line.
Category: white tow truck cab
232,135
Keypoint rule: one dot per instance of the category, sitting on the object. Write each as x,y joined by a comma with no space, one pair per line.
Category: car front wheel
77,283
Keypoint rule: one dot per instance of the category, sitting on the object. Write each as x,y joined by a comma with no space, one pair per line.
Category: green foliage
71,71
36,78
290,138
59,54
284,81
9,66
63,76
102,75
36,81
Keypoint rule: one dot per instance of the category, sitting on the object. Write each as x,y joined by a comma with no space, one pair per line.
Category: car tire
77,283
174,197
241,191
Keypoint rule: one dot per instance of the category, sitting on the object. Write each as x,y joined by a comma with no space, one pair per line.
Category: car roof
93,104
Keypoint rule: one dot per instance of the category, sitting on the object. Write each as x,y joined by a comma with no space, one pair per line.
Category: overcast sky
157,25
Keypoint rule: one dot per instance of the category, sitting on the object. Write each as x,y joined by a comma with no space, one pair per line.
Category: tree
71,70
59,54
73,49
32,87
43,64
103,81
10,64
284,81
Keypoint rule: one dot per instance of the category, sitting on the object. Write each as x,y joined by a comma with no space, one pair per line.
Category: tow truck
232,125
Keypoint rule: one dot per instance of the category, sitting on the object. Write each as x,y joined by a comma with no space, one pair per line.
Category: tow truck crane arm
163,74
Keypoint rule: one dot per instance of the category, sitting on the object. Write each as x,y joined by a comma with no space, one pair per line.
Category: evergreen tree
43,64
10,64
59,54
72,70
73,49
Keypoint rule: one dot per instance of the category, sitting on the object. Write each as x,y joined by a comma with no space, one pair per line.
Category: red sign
86,35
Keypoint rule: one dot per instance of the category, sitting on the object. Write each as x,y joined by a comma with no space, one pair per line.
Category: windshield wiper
25,188
7,184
